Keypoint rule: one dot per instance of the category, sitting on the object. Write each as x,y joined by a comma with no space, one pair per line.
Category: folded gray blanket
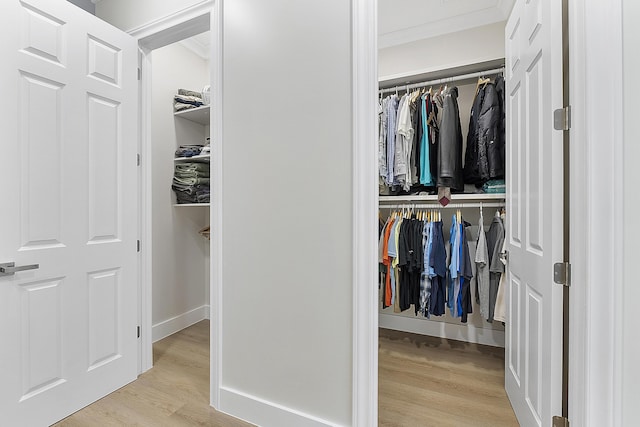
192,166
187,92
182,182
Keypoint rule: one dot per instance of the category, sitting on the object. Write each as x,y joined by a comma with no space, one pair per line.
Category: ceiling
405,21
421,19
199,44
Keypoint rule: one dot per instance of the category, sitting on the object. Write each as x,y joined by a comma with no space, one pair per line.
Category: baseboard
175,324
467,333
264,413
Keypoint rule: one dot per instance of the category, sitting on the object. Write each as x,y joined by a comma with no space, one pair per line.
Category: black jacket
450,149
484,158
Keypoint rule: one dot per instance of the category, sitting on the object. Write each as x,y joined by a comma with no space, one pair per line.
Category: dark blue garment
438,261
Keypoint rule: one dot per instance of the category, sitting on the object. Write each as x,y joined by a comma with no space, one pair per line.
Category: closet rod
442,80
449,206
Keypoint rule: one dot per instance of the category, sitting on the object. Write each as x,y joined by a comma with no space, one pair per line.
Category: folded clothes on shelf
494,186
187,92
188,150
193,100
186,99
191,182
179,106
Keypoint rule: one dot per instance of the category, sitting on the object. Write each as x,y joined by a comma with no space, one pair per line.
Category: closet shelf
198,115
191,204
201,158
471,197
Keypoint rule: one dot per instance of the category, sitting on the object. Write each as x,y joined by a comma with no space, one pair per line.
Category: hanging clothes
392,112
500,312
438,270
404,142
417,268
495,240
466,274
485,153
482,269
383,171
426,177
450,148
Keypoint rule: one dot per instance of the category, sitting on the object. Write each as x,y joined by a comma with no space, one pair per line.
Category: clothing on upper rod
420,144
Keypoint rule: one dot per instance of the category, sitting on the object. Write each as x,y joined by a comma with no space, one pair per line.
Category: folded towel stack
186,99
191,183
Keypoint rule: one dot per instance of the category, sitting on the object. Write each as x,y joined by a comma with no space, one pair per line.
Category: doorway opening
436,350
180,188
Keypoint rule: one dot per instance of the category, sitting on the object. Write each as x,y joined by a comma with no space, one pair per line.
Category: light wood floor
424,382
175,392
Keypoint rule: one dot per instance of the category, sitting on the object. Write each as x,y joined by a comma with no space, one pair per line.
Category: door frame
596,215
364,30
597,212
196,19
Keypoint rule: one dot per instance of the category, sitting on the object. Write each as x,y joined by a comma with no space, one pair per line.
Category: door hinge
138,157
560,422
562,118
139,245
138,331
139,73
562,273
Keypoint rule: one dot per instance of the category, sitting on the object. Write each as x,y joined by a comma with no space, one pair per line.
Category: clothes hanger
482,82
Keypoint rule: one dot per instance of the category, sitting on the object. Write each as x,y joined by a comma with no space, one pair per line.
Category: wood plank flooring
424,382
427,381
175,392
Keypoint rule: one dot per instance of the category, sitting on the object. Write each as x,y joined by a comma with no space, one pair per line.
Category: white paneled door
68,204
533,359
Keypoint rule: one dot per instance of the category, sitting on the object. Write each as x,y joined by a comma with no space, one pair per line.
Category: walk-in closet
180,164
442,222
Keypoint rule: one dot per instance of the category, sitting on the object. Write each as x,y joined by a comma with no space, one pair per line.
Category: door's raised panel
515,166
42,35
533,13
104,183
42,339
103,291
533,352
512,49
41,162
535,167
104,62
515,340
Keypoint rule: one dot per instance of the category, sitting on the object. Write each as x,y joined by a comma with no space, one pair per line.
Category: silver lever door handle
9,268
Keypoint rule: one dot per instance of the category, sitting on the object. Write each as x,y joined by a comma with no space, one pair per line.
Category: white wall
479,44
129,14
287,246
631,290
180,254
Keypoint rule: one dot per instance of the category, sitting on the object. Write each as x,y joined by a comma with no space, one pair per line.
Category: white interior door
533,362
69,185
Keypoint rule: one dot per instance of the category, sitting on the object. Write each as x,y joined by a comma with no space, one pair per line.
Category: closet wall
180,255
434,54
287,285
480,44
